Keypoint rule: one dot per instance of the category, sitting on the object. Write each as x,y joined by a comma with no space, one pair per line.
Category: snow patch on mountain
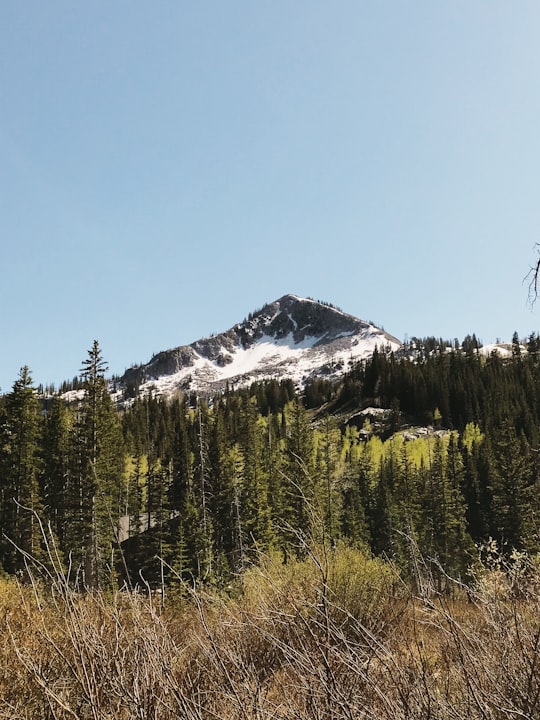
502,349
292,338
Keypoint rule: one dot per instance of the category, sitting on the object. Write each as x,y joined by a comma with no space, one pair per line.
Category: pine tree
445,540
433,531
136,481
516,346
233,468
478,463
458,542
19,469
55,465
273,459
355,490
201,492
381,511
256,509
298,480
328,472
512,508
407,512
96,479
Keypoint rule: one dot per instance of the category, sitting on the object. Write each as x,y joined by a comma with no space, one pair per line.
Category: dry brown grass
332,638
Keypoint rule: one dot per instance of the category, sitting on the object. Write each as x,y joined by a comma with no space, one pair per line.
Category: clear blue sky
167,167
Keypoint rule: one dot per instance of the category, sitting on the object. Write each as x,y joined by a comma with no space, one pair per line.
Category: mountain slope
291,337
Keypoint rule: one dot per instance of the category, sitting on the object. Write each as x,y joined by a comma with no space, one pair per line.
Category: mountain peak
291,337
300,318
292,299
289,297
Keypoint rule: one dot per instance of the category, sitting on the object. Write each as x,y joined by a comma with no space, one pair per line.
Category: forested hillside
417,458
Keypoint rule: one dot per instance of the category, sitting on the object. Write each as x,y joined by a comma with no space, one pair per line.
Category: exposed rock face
290,337
301,318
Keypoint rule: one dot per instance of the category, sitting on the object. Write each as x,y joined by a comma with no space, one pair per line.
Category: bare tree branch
533,276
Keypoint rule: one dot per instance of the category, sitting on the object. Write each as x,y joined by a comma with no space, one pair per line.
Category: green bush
349,584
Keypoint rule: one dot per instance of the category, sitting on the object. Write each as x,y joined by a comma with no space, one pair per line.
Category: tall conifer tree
19,467
298,479
55,465
512,510
96,486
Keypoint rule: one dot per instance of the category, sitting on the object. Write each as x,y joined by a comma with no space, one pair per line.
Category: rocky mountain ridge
292,337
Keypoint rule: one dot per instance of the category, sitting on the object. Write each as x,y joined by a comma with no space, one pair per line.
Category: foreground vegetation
334,635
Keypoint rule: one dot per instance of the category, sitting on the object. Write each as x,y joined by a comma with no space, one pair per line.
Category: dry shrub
353,585
329,638
90,656
317,625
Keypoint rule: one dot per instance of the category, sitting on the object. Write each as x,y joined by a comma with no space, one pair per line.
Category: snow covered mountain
292,337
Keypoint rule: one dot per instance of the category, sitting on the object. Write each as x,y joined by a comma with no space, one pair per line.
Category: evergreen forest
422,458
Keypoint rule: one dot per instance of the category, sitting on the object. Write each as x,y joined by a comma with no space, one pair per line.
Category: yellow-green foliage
374,449
419,450
131,465
350,447
353,583
360,585
472,436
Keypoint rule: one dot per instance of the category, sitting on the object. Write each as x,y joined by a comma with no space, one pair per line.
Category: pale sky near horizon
168,167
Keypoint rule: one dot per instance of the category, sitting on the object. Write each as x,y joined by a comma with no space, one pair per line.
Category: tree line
159,490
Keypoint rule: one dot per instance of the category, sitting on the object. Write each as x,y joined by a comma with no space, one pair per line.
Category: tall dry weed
330,637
